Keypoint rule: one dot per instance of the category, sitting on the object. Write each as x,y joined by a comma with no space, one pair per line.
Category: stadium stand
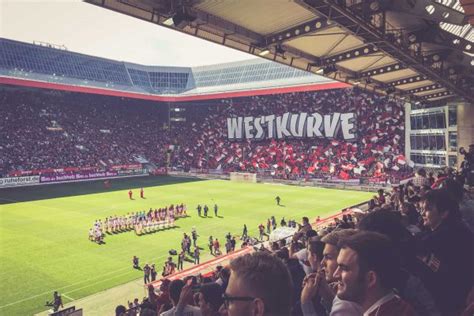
377,150
88,131
75,130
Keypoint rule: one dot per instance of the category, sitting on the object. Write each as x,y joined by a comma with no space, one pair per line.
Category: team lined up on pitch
140,222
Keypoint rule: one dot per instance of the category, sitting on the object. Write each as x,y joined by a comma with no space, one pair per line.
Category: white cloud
92,30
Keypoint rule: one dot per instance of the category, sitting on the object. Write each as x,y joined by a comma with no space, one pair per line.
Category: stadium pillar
465,122
407,131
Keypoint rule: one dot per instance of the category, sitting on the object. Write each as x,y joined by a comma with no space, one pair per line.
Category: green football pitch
44,242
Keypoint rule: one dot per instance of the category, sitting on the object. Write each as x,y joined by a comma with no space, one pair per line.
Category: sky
92,30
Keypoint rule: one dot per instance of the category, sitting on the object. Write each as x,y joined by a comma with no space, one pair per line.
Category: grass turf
44,238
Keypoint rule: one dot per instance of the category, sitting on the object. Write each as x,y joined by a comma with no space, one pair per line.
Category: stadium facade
433,140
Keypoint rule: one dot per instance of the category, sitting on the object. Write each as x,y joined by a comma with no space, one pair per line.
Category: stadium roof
421,49
51,67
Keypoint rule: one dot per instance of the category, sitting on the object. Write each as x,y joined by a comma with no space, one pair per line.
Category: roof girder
347,19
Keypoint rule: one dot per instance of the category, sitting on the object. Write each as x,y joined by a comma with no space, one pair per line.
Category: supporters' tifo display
342,133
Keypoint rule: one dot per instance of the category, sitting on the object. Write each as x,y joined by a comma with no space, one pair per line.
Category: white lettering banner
18,181
290,125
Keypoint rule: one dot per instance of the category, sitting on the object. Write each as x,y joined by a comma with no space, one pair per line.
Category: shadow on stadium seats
51,191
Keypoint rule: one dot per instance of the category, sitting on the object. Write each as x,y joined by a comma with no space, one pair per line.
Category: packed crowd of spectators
53,129
377,150
410,253
42,130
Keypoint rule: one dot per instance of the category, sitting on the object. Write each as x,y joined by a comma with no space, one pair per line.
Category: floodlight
168,22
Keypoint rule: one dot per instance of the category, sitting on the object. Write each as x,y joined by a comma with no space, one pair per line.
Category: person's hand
325,290
310,287
196,299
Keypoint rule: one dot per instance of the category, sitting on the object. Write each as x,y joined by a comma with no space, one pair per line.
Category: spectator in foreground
366,270
163,301
175,290
210,299
327,286
447,251
260,285
120,310
409,286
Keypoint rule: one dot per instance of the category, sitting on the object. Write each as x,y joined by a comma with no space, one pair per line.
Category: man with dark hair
196,255
447,251
217,247
163,298
244,232
380,198
409,286
210,299
259,284
153,273
176,286
315,254
421,179
367,272
146,273
120,310
327,283
135,262
211,245
57,301
181,258
194,235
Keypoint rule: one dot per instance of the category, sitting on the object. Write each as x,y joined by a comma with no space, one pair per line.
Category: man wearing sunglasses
259,284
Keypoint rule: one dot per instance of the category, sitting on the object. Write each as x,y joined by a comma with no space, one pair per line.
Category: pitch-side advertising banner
18,181
78,176
291,125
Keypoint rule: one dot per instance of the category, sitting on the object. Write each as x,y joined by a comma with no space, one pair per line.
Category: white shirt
379,303
302,256
187,311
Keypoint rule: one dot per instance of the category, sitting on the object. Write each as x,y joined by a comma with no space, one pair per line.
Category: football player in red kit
130,193
142,193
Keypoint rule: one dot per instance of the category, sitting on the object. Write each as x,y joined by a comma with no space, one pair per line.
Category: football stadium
329,172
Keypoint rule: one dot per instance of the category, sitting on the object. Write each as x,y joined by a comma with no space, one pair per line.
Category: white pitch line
74,284
102,280
66,296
